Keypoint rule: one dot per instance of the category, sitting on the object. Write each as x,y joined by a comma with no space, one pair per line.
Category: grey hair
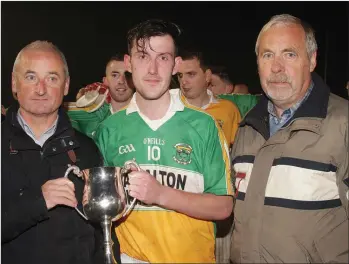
42,45
286,20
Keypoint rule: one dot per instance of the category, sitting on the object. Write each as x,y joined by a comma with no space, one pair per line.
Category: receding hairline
286,20
41,46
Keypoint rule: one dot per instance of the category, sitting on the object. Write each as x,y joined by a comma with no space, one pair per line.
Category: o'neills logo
183,153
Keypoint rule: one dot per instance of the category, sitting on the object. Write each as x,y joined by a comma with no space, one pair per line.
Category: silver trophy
104,198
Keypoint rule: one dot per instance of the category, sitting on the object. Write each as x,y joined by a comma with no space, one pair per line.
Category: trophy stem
108,243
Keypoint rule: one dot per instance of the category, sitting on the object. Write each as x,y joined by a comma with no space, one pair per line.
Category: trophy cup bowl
104,198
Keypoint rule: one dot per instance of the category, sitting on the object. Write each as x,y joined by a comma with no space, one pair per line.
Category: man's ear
229,88
127,61
178,60
105,81
313,61
66,85
14,85
208,75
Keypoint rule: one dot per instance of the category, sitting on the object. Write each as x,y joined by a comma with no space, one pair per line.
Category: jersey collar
175,105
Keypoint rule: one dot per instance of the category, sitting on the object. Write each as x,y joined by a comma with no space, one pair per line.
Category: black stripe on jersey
243,159
241,196
302,205
306,164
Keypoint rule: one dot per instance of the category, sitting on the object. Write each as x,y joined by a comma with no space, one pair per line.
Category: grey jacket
291,202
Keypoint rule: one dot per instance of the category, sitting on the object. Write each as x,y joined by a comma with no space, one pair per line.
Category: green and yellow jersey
185,150
87,122
245,102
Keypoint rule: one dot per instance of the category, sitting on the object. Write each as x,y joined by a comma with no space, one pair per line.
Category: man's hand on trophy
92,87
60,191
144,187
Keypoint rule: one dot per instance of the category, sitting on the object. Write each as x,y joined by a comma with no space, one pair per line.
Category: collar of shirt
276,123
111,109
213,99
42,139
175,105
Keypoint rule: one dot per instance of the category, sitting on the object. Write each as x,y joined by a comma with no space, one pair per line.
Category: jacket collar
315,107
64,129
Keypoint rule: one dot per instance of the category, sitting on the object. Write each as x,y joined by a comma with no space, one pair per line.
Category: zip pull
13,151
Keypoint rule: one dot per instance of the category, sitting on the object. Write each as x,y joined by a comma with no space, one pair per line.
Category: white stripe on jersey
186,180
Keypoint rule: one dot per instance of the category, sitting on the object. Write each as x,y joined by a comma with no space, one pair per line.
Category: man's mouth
121,90
152,81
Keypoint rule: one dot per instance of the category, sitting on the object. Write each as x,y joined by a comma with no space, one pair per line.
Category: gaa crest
183,153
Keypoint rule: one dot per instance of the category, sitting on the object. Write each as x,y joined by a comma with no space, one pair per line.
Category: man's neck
116,106
202,100
154,109
38,124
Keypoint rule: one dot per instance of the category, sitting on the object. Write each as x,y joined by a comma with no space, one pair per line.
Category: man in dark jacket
38,221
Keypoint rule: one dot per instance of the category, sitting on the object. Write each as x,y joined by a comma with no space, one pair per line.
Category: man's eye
267,55
164,58
30,77
115,75
52,79
290,55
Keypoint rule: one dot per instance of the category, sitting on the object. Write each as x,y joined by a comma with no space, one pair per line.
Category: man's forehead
30,55
190,64
50,59
215,77
116,65
284,34
157,44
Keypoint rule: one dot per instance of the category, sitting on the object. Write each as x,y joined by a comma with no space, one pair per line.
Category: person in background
120,89
194,78
241,88
290,157
222,86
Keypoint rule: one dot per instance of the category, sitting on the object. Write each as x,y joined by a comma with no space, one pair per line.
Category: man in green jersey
185,180
222,86
120,87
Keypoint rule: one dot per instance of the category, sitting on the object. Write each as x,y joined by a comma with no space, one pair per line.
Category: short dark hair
221,72
116,57
190,55
152,28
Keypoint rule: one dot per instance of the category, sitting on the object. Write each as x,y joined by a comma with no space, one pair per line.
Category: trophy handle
125,169
76,170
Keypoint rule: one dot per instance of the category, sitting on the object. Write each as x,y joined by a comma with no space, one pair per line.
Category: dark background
88,33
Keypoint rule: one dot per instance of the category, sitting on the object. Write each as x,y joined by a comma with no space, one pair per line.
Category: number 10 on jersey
153,153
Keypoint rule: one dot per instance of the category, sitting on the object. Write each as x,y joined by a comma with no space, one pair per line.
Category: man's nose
41,88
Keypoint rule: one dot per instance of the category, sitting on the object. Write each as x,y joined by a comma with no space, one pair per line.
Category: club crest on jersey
183,153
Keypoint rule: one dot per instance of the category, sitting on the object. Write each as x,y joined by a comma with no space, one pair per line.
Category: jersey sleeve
216,162
86,122
101,139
